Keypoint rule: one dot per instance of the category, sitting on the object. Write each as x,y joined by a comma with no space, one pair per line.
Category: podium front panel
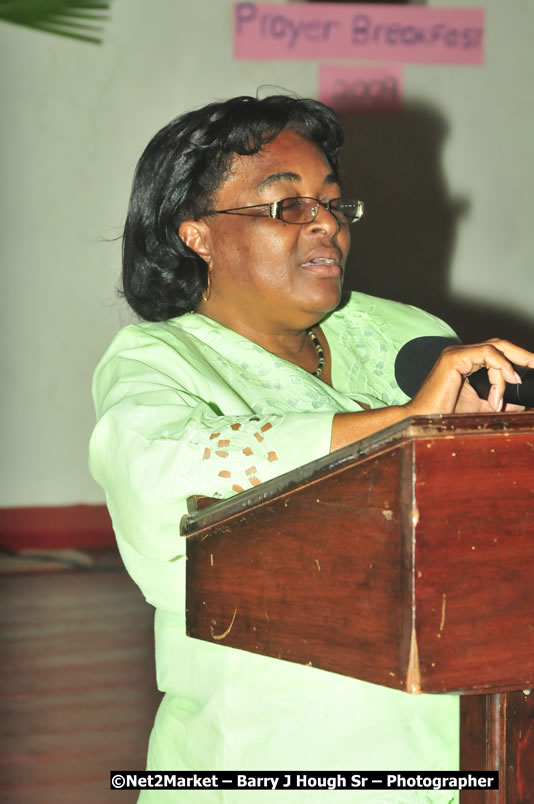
405,560
474,561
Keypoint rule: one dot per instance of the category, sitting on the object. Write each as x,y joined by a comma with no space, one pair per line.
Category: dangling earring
206,293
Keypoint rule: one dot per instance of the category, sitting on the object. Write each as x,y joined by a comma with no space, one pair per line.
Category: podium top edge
410,429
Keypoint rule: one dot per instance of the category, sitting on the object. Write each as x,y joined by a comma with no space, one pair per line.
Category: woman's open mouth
322,266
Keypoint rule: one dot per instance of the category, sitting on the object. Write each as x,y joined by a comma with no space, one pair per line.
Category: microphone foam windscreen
415,360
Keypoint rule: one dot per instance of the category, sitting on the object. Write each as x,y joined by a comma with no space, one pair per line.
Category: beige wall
76,118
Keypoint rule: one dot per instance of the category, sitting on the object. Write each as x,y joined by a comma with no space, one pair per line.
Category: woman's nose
325,221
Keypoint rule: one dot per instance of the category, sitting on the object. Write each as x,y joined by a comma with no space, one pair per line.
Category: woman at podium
250,362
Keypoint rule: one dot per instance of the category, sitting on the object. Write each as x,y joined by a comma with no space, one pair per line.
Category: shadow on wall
404,247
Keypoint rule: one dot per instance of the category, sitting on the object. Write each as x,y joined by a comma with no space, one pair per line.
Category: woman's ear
196,235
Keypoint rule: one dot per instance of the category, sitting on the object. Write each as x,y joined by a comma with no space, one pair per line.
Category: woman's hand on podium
447,388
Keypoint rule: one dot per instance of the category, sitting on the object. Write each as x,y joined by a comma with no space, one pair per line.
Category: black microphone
415,360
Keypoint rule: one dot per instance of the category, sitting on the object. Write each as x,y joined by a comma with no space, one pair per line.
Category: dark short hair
177,177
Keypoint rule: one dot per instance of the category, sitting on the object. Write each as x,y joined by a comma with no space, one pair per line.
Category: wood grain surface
78,688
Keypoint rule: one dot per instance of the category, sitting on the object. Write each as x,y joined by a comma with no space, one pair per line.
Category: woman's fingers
495,398
497,356
515,354
498,359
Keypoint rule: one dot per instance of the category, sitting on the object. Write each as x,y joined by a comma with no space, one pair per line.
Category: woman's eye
292,203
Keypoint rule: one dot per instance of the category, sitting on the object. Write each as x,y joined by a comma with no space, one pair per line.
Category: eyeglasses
299,209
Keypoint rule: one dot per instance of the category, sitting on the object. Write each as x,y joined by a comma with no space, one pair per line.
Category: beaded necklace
320,352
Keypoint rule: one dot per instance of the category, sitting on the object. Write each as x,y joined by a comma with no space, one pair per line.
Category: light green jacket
188,407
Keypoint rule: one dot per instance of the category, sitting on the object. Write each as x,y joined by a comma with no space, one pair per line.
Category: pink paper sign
356,88
340,31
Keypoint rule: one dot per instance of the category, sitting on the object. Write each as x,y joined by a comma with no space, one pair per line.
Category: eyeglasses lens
304,210
298,210
344,211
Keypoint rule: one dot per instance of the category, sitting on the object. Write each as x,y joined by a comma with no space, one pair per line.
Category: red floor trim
76,526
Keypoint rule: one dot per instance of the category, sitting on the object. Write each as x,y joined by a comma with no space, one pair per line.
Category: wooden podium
407,560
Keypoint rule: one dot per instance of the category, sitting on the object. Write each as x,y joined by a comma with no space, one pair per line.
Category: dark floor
77,694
